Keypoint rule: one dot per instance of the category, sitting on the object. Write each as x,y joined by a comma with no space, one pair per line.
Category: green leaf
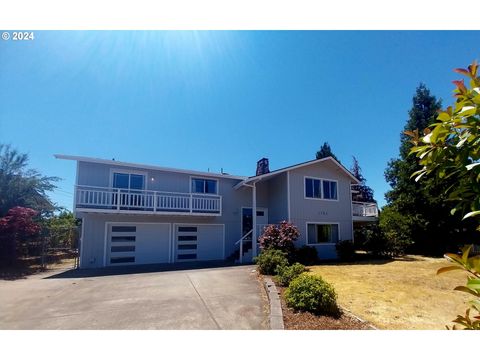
467,111
471,166
473,284
472,213
443,116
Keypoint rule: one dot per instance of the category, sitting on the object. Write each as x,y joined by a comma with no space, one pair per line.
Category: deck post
254,220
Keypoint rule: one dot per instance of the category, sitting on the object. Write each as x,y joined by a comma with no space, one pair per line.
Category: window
204,186
128,181
187,229
312,188
124,228
330,190
320,189
322,233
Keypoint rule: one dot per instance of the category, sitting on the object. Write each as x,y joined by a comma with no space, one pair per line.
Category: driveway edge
276,314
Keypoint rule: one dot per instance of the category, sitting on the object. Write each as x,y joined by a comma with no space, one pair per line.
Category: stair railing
241,244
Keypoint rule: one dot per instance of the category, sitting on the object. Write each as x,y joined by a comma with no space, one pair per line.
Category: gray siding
93,174
277,200
304,210
271,194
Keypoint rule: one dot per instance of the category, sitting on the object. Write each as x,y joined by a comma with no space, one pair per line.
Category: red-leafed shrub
17,227
279,237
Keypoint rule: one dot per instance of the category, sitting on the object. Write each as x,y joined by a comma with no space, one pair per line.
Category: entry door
247,220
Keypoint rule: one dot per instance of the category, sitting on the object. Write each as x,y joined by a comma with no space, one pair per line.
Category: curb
276,315
358,318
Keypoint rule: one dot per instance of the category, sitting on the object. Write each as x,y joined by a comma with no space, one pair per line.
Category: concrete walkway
212,298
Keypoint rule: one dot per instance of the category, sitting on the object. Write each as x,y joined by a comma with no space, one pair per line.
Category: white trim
288,196
175,240
293,167
144,166
351,211
204,178
139,212
109,223
75,189
322,223
321,189
81,244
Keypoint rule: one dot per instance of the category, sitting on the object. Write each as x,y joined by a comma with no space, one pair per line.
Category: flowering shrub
16,227
280,237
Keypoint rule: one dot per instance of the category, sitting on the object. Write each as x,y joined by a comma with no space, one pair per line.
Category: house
143,214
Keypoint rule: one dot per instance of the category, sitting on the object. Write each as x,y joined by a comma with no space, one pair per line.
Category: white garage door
198,242
130,244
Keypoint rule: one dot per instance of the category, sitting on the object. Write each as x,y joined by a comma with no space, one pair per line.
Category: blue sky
211,100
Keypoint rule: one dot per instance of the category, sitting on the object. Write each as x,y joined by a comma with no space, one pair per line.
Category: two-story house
143,214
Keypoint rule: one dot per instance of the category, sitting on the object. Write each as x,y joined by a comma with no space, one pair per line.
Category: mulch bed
294,320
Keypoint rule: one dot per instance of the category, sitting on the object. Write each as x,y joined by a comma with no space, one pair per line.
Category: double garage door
138,243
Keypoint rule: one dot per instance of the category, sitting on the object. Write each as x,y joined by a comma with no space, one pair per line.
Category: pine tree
420,206
325,151
362,192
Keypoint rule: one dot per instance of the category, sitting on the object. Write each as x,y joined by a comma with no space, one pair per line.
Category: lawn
399,294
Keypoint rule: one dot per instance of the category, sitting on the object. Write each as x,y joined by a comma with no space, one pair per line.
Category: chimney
262,167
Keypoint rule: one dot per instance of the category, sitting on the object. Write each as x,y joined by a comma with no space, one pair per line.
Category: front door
247,220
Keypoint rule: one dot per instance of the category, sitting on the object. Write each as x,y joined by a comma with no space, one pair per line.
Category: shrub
279,237
311,293
345,250
269,260
287,273
306,255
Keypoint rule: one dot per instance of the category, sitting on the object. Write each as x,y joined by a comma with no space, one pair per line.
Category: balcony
364,211
112,200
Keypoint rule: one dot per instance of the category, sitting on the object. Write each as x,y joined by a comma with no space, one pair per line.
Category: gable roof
149,167
253,179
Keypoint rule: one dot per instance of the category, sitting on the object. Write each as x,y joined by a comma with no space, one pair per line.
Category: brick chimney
262,167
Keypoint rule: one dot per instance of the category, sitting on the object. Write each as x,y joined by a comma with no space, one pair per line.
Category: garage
137,243
198,242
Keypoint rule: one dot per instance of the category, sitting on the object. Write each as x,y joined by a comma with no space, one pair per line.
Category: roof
253,179
149,167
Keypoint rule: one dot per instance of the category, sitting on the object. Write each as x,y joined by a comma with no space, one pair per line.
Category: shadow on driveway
141,269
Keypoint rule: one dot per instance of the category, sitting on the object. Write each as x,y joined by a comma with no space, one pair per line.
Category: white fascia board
149,167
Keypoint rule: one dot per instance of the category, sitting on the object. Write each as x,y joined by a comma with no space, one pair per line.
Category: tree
420,206
449,151
363,192
20,186
16,229
61,229
325,151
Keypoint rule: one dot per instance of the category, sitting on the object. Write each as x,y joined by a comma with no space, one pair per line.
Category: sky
220,100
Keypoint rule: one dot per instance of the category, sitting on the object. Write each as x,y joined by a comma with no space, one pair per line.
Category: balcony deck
125,201
362,211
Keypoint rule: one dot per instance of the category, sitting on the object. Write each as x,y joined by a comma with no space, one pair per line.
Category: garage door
134,244
198,242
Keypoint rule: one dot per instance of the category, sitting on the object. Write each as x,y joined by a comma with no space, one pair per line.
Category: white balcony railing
125,200
364,209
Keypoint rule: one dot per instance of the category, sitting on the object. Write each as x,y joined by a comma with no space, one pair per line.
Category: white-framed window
204,186
321,189
322,234
329,190
126,180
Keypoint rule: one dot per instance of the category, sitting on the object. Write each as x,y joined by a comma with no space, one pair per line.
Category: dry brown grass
400,294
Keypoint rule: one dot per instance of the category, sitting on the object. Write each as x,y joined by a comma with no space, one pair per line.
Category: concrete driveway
212,298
